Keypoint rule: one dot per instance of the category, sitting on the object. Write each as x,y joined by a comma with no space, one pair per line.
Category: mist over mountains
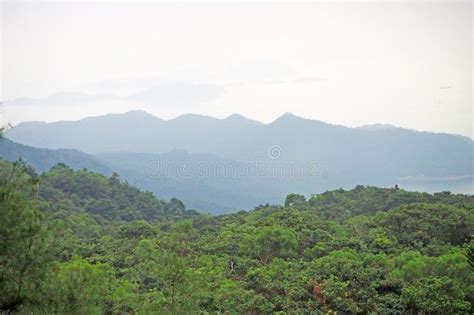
238,162
196,194
44,159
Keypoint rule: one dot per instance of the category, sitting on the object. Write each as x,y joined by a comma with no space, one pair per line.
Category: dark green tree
23,237
295,200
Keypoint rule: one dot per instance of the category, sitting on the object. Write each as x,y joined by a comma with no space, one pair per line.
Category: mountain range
262,162
196,194
43,159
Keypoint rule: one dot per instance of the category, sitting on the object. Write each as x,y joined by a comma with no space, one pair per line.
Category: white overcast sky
351,63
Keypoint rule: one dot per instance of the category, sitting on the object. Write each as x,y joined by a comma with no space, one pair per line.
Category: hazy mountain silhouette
392,151
344,157
132,167
198,178
43,159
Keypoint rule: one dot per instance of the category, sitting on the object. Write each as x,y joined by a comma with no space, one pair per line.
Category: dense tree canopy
76,242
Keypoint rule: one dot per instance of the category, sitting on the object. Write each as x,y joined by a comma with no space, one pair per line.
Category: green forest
77,242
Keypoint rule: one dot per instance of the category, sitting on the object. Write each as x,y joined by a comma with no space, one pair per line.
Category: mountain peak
291,120
237,118
287,117
139,113
192,117
137,116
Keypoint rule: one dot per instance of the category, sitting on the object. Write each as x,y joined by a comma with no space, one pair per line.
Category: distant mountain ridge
132,167
153,123
371,155
44,159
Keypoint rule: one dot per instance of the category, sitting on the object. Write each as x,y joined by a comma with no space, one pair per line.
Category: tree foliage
76,242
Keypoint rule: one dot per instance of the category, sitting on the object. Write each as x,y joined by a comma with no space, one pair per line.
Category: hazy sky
351,63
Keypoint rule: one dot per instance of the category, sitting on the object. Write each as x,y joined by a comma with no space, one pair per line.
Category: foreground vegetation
76,242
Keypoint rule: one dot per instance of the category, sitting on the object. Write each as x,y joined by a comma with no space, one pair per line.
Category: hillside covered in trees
77,242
